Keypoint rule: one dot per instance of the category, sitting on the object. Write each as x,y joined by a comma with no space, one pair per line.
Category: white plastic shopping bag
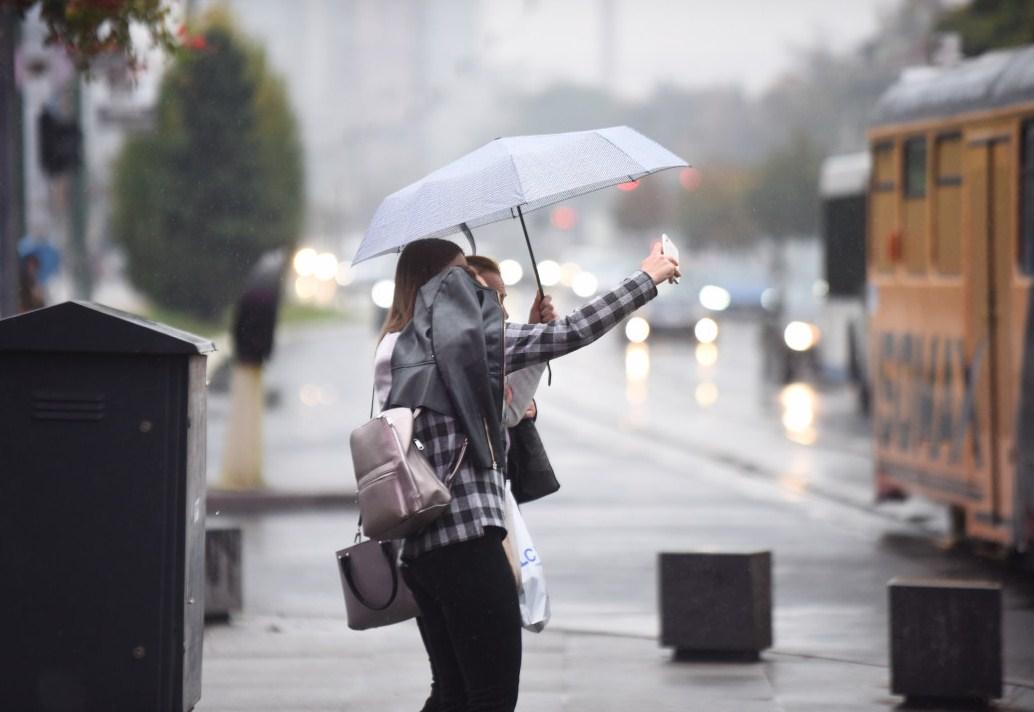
531,589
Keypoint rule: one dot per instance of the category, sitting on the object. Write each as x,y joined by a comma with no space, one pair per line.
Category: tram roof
992,80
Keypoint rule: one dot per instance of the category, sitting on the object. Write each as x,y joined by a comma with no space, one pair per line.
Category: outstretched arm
528,344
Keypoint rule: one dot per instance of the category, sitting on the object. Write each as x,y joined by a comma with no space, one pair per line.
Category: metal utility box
102,512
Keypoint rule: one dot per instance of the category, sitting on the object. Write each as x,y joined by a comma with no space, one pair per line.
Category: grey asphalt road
665,448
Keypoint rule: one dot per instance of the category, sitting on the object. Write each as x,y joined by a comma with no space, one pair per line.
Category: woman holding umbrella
445,350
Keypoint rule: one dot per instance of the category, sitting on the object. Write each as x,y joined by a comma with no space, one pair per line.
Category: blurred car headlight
305,262
706,330
511,272
585,284
637,329
801,336
715,298
383,293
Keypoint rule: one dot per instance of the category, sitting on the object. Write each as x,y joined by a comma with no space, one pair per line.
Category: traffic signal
60,143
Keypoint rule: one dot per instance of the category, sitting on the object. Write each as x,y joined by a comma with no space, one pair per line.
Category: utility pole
10,163
82,271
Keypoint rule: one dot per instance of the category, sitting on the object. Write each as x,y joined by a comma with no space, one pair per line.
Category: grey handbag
375,594
399,492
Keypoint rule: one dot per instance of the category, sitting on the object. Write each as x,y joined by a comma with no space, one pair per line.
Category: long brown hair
480,263
419,261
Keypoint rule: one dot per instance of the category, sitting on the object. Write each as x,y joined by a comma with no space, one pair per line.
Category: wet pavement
659,449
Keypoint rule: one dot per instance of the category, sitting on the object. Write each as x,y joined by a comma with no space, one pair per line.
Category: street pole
10,163
82,273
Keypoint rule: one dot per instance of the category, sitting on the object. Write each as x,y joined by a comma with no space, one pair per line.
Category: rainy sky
748,42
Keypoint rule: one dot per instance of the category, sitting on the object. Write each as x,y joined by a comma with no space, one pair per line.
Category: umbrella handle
538,280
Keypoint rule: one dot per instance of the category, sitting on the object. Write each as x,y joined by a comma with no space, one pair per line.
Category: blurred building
384,90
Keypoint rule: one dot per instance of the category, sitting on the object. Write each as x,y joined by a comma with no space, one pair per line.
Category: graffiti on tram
919,406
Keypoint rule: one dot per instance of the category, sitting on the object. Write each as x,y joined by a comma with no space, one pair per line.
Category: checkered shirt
478,495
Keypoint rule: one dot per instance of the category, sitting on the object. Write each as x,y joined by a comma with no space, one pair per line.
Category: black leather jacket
450,359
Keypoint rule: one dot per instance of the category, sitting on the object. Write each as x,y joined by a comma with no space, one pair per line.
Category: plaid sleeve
528,344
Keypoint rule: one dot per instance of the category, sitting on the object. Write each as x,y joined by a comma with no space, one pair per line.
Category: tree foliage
991,24
216,184
715,214
643,209
783,200
89,28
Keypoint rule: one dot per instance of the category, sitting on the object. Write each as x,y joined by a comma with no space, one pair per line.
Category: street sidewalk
278,664
292,650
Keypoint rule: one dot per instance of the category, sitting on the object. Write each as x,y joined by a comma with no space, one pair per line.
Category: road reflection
799,402
706,394
637,373
706,355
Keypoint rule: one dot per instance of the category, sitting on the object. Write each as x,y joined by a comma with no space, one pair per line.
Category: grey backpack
399,492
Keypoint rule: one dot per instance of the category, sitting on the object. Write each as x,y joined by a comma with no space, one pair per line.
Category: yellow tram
950,264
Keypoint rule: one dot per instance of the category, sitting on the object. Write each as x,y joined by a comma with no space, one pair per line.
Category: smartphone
668,248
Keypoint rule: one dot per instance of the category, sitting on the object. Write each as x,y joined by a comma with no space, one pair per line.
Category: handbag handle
346,569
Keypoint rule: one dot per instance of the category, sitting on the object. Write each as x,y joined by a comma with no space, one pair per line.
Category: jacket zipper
491,449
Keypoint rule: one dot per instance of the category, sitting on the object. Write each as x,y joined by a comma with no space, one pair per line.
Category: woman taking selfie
446,350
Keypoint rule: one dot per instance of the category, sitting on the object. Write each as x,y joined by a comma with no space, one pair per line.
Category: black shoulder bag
527,465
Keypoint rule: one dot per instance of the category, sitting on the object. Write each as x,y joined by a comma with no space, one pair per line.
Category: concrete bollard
223,590
945,639
242,458
716,605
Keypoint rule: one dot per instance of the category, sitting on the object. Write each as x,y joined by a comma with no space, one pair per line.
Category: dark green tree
991,24
784,197
216,184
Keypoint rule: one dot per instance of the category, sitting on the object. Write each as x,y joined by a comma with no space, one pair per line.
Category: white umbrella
507,178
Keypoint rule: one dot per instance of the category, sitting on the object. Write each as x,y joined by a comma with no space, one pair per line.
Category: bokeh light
637,330
564,217
383,293
325,267
706,330
305,261
706,355
715,298
549,273
568,271
799,402
706,394
511,272
585,284
800,336
690,179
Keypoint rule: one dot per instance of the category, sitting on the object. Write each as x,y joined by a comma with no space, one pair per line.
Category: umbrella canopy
508,175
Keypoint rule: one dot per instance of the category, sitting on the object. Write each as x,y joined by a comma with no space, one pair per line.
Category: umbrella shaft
531,252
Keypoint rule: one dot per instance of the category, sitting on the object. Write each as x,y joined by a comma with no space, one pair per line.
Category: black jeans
470,622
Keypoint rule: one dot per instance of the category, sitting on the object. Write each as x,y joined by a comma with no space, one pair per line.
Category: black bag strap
389,556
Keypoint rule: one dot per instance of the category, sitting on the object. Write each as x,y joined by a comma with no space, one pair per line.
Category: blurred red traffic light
690,179
563,217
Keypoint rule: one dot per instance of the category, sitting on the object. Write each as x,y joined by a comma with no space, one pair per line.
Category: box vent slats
67,406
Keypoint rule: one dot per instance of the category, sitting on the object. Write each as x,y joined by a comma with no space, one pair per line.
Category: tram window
915,168
1025,253
882,206
948,200
883,166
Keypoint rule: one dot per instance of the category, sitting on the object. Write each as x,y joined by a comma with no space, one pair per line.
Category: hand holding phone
668,249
